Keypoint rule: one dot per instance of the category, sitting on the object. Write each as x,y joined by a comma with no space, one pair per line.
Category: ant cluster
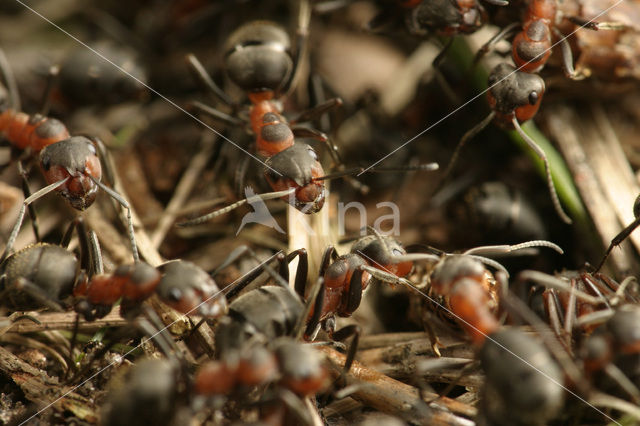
194,322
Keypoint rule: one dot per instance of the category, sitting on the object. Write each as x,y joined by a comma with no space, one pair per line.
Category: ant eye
313,154
396,252
533,98
92,148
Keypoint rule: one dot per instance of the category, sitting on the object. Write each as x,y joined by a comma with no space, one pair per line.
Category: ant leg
307,326
10,81
241,176
302,271
623,381
567,60
52,77
341,335
216,114
540,153
205,79
503,34
27,192
72,345
554,311
25,285
618,239
550,281
125,205
316,111
437,72
354,296
302,33
330,254
16,228
470,134
237,286
294,405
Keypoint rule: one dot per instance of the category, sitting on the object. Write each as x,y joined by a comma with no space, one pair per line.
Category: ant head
514,93
75,158
447,17
188,289
258,57
298,167
380,251
453,267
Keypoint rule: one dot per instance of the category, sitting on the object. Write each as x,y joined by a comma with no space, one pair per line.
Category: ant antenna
266,196
125,205
618,239
552,189
203,76
470,134
511,248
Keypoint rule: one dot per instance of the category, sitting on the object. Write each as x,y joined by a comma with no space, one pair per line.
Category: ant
151,393
296,367
522,380
259,62
514,96
496,209
531,47
70,164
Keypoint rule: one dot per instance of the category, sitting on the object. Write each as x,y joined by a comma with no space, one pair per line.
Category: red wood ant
258,61
514,97
70,164
531,47
297,368
151,394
